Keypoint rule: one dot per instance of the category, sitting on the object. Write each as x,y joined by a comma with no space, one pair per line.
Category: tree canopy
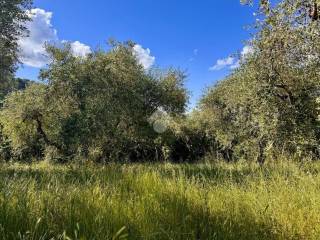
13,16
97,105
106,106
271,101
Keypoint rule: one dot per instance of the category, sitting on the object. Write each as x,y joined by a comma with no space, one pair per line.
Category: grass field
162,201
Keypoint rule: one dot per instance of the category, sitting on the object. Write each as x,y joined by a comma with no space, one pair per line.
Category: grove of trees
106,107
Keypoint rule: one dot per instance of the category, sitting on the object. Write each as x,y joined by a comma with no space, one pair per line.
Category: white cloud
143,56
231,62
79,49
41,31
32,52
235,65
246,50
223,63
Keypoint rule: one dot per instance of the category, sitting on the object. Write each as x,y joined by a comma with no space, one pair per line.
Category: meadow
99,145
160,201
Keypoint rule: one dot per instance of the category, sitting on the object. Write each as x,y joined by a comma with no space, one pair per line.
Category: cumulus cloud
41,31
231,62
79,49
223,63
32,52
143,56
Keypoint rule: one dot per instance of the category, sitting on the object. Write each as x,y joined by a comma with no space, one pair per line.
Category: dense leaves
270,104
96,107
13,15
106,106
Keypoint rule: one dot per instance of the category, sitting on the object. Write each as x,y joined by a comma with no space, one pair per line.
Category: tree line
107,107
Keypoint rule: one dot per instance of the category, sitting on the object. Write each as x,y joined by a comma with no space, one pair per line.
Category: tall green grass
162,201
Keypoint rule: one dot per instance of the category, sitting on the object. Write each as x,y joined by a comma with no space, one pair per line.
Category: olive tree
96,106
269,104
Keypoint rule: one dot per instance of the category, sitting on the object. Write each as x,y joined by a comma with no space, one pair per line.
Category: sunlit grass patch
160,201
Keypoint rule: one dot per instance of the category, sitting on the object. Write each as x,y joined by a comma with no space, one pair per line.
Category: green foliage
217,201
97,107
13,16
19,117
186,139
269,104
105,106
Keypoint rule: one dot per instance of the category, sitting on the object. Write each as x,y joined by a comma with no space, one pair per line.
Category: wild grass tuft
160,201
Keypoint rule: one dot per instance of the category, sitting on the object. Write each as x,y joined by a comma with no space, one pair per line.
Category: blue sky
191,35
